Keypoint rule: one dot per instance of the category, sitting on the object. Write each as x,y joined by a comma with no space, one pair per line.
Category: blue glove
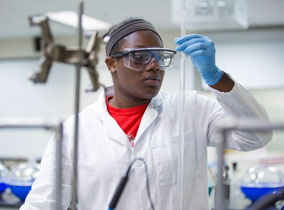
202,52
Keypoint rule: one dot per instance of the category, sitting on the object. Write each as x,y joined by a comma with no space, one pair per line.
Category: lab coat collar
115,132
156,101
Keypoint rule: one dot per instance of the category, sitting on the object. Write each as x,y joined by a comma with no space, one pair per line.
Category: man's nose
153,65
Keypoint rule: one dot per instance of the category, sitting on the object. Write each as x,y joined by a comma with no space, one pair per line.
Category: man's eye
141,57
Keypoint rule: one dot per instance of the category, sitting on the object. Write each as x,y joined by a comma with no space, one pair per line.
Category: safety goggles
138,58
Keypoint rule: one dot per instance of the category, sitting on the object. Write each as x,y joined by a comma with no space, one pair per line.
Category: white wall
254,51
255,59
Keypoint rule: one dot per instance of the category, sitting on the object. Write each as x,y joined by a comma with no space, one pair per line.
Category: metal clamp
51,52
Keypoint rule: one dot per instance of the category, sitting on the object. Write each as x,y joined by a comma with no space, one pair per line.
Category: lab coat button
139,163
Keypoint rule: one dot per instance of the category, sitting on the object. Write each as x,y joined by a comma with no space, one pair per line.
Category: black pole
77,109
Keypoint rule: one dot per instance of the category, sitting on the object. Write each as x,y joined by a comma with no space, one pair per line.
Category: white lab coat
105,153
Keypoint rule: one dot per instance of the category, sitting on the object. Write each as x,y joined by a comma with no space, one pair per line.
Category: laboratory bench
9,206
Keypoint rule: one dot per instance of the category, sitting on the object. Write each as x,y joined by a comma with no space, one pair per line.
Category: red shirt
128,119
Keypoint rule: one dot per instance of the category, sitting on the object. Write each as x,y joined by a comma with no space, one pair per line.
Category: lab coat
105,153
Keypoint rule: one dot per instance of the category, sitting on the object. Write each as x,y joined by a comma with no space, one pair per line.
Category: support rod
57,127
77,109
181,113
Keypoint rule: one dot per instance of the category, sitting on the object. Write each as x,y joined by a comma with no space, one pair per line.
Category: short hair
116,34
118,44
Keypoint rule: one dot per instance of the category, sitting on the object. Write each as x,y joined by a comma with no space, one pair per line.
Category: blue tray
20,188
3,186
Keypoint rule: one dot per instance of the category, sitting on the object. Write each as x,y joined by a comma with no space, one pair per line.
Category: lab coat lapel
112,129
115,132
149,116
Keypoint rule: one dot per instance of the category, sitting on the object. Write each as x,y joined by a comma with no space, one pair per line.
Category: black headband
128,28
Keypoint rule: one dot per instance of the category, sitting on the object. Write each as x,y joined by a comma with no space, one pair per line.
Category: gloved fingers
180,40
197,53
204,47
184,45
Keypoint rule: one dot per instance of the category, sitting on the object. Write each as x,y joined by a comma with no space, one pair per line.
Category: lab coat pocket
166,155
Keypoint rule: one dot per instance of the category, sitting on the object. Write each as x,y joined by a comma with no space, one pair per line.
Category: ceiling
14,13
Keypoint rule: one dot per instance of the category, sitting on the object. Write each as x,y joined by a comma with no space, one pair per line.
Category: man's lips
152,80
152,77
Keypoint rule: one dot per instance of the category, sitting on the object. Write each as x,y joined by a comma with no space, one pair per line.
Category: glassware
23,177
26,171
260,180
211,176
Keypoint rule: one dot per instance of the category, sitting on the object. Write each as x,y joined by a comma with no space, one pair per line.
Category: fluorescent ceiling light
70,18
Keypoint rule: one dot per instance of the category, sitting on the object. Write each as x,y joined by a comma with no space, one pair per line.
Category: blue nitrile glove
202,52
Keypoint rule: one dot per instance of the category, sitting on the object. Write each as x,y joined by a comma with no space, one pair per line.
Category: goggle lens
142,57
139,58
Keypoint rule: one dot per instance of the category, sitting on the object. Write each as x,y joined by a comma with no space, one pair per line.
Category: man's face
143,84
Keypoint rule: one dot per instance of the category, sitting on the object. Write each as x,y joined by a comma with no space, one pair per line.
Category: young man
132,120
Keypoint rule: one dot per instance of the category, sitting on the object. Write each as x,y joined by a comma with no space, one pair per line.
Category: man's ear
111,64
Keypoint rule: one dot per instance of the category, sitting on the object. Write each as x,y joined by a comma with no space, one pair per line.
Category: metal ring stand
57,127
76,56
224,127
